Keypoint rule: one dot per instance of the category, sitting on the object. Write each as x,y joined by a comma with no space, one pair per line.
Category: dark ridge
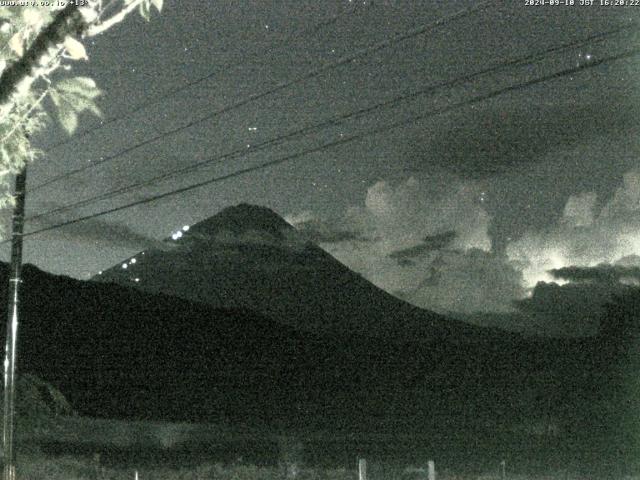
243,218
116,352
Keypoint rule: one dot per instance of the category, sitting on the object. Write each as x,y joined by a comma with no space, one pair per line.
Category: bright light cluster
133,261
178,234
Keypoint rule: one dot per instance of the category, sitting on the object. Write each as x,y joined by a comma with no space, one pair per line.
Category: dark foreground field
68,467
82,448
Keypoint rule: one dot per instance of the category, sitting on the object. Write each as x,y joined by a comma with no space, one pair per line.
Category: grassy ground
38,467
73,448
71,468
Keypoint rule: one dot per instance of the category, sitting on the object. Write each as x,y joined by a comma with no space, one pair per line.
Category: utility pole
12,326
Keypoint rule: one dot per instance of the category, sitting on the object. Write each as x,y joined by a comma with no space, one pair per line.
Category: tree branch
117,18
25,116
17,78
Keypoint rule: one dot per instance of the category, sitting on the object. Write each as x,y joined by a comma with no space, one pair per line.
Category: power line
241,152
284,42
378,130
281,86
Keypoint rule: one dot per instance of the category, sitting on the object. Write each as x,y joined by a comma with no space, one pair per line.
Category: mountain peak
244,217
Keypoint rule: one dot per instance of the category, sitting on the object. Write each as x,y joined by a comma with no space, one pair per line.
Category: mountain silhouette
248,257
118,352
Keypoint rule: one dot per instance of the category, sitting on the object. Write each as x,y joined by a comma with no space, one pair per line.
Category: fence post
362,469
432,470
503,468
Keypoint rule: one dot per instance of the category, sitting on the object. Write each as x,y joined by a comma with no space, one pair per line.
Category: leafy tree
38,46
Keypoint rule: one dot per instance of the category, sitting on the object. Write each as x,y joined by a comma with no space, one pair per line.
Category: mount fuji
248,257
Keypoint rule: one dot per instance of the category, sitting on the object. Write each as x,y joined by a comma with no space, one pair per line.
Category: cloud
573,299
429,244
573,309
109,234
577,265
632,260
625,203
412,210
425,241
468,282
316,230
497,139
601,273
578,211
584,237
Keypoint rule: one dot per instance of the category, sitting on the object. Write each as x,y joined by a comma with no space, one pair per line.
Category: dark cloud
403,262
497,139
574,299
317,231
601,273
568,310
105,233
571,309
629,261
430,244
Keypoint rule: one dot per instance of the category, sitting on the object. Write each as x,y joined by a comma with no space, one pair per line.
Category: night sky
482,200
